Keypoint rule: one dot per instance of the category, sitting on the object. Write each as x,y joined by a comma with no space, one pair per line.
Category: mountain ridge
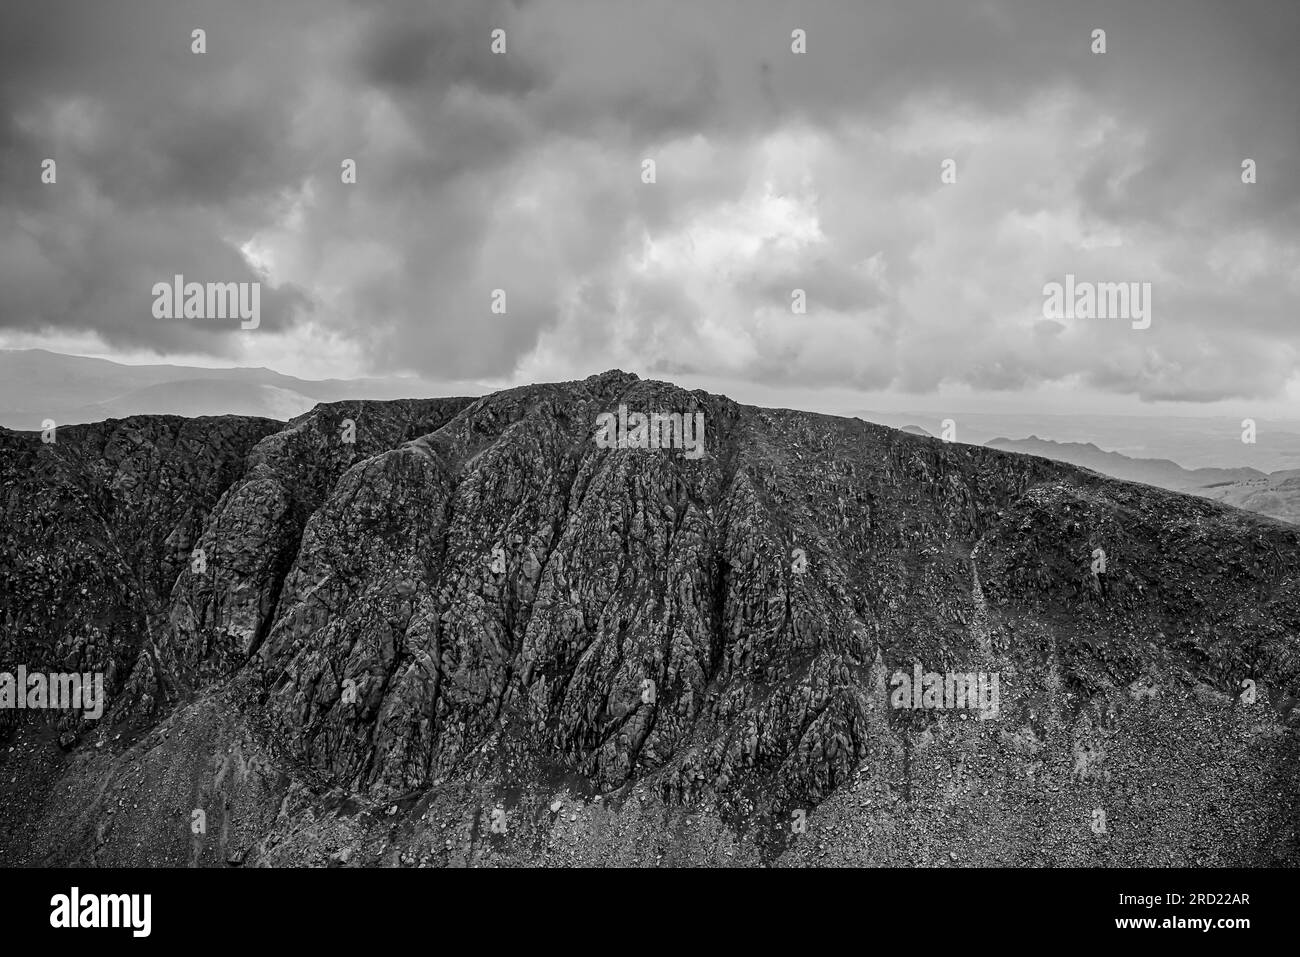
457,613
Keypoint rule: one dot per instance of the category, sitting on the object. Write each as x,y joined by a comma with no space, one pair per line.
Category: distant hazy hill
1192,441
37,385
1159,472
1276,495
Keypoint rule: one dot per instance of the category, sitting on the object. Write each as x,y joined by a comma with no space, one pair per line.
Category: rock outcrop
459,630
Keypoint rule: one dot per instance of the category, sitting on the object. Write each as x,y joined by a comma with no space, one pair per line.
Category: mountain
1275,494
1192,441
1161,472
36,385
463,631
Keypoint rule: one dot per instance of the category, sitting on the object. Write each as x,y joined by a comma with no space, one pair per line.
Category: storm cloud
774,171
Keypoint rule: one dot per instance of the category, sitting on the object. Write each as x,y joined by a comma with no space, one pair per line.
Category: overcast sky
774,171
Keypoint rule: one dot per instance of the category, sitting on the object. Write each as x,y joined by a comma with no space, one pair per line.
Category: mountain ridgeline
460,631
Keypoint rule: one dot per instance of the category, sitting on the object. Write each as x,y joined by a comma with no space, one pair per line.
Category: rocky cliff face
460,631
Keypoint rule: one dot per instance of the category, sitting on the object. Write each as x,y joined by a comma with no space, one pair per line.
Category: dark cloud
774,171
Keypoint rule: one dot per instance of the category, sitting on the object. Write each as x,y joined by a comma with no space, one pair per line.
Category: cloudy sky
774,171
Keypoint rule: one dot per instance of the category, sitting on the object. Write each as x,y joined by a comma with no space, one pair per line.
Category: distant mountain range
1275,494
1192,440
36,385
1162,473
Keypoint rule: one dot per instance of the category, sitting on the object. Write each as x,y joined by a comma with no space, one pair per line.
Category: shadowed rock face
474,604
96,526
220,614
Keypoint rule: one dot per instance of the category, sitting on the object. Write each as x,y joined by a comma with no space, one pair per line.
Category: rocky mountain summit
458,631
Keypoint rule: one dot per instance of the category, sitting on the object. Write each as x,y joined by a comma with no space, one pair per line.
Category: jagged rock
474,593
